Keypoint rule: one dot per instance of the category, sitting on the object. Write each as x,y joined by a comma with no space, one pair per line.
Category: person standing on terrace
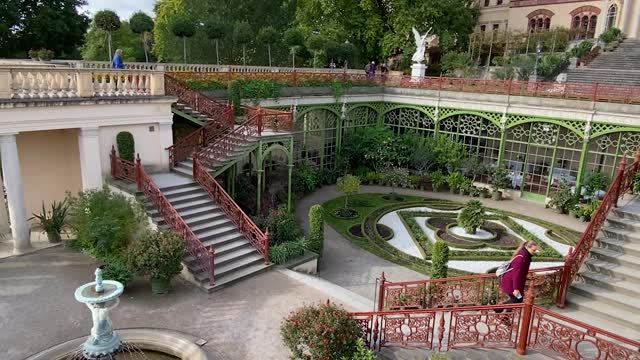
117,60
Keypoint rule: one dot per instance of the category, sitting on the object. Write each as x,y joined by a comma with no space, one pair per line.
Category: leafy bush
361,353
245,195
282,226
610,35
116,268
234,93
439,260
323,331
581,49
636,183
281,253
348,185
157,254
316,229
437,180
454,180
472,216
126,145
52,221
452,61
104,222
499,178
594,182
395,177
304,180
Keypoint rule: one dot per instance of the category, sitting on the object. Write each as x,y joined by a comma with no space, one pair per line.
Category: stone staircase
234,259
220,164
620,67
189,113
609,282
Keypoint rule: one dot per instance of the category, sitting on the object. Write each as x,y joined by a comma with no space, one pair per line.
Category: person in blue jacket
117,60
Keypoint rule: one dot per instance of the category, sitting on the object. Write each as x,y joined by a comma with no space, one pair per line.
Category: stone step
210,233
625,235
605,311
615,222
180,191
615,285
181,199
614,270
600,322
216,223
204,218
231,256
615,257
178,187
182,170
626,214
622,246
194,204
200,211
612,299
232,266
235,276
233,246
222,240
192,217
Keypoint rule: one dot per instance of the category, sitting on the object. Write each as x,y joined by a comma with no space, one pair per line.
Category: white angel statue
421,44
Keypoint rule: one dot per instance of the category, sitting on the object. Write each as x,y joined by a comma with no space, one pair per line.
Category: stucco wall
147,144
49,166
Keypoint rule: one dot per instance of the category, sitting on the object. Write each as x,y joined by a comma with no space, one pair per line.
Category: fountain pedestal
100,296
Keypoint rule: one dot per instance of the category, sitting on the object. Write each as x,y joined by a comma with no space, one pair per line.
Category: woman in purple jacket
512,282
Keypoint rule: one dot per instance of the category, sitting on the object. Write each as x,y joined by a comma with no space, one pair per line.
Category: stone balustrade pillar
157,81
15,193
85,83
5,86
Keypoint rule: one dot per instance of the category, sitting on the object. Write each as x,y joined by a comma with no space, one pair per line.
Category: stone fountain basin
171,342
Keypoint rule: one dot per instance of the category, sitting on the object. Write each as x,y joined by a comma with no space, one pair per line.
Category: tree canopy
50,24
141,23
95,46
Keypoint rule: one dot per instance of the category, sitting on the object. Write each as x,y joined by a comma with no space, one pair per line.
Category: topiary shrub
348,185
324,331
126,146
281,253
472,216
157,254
439,259
316,229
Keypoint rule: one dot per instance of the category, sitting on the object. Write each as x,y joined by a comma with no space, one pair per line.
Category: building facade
586,19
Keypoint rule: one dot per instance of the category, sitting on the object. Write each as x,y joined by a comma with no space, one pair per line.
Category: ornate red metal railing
470,290
246,226
122,169
576,257
201,254
220,121
568,90
518,326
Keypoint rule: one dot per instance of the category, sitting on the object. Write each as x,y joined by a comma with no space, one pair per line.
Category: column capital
89,131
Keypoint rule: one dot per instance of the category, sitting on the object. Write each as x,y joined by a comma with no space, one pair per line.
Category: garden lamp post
534,77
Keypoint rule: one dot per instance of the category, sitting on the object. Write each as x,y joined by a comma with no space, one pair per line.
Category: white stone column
165,138
15,193
4,215
625,14
635,33
90,165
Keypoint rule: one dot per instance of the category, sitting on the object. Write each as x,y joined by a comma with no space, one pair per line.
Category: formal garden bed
423,221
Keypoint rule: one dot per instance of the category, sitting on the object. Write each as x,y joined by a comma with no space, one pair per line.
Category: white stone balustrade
24,83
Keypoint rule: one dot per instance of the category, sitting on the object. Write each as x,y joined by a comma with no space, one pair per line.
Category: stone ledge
30,103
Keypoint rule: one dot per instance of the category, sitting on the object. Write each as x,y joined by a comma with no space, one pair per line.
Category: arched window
592,26
547,23
540,20
612,15
584,21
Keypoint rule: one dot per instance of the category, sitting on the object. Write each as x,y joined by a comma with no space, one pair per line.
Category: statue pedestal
418,71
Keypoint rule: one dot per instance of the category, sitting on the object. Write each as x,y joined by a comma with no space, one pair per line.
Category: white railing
55,83
174,67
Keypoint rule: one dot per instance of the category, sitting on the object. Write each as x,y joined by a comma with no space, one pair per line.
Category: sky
124,8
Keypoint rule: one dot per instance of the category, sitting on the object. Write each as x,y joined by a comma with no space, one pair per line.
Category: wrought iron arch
467,112
307,110
595,134
408,106
564,124
272,147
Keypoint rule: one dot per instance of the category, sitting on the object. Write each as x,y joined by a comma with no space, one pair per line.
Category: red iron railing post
295,78
619,179
114,162
260,115
523,335
138,172
195,165
381,292
266,246
595,92
211,266
564,279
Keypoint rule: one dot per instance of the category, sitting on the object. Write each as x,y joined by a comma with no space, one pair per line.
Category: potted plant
465,186
45,54
563,200
437,180
454,180
33,54
371,177
157,254
499,180
594,182
413,181
395,177
54,220
423,181
484,192
474,192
